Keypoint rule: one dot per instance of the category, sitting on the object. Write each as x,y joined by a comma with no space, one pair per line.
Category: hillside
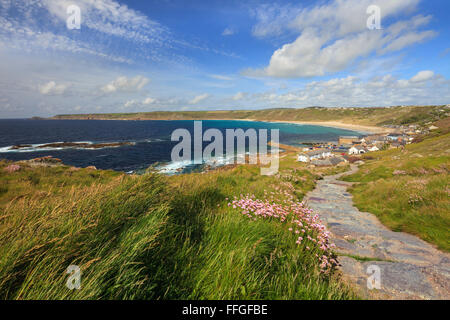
408,189
399,115
190,236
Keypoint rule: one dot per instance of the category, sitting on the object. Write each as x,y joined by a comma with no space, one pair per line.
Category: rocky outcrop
83,145
20,146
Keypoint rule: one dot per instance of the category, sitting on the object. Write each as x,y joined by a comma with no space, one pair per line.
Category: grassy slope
409,190
363,116
152,237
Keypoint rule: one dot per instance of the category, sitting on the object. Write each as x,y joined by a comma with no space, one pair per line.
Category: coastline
331,124
336,124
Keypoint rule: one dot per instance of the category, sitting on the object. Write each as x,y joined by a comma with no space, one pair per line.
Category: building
314,155
348,139
393,136
374,139
373,148
357,150
396,144
302,157
333,161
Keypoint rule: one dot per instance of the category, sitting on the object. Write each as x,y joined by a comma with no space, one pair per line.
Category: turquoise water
151,140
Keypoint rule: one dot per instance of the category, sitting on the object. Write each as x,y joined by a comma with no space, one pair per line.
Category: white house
356,150
373,148
314,154
302,157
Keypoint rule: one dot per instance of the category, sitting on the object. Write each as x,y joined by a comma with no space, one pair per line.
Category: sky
134,55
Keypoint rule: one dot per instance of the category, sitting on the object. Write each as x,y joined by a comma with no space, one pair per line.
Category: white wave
32,148
175,167
38,147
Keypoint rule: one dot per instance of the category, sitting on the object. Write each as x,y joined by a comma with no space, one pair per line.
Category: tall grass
154,237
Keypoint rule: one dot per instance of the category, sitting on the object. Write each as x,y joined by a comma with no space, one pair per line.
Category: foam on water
36,147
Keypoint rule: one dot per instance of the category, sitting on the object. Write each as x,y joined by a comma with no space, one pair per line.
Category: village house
333,161
373,148
393,136
374,139
396,144
358,149
313,155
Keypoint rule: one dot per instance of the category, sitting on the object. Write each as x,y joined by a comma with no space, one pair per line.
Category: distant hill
398,115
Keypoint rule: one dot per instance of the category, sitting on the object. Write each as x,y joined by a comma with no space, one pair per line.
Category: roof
336,160
328,162
375,138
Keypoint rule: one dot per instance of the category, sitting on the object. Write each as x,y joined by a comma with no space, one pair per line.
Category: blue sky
153,55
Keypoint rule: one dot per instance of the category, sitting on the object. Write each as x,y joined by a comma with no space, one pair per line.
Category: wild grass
153,237
409,190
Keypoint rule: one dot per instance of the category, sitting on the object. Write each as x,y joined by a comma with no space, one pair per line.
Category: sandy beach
336,124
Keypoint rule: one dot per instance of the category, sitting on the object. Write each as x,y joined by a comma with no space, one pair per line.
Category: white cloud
425,88
130,103
423,76
199,98
228,31
333,36
125,84
149,100
239,96
32,25
273,19
51,88
110,17
221,77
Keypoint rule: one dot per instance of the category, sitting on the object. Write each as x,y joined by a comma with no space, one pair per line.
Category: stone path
409,267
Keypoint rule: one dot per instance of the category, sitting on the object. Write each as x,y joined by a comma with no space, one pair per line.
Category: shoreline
331,124
335,124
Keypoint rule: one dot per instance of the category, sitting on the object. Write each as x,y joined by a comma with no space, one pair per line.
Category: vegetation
184,237
155,237
363,116
408,189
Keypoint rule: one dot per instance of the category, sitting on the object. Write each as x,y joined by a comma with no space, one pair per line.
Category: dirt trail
410,268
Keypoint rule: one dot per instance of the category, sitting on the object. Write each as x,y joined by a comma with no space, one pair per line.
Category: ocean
151,140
